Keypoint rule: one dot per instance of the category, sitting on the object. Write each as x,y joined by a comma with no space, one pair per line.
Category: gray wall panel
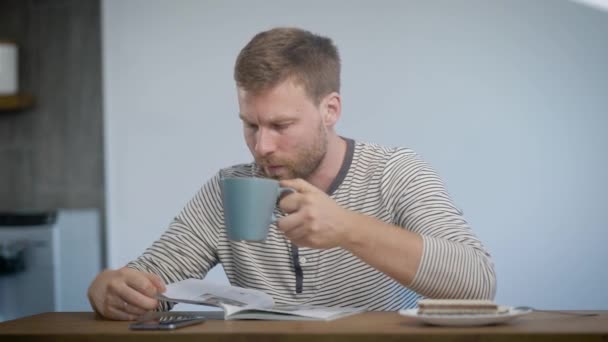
51,156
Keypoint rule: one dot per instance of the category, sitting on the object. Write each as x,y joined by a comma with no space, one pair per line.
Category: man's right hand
124,294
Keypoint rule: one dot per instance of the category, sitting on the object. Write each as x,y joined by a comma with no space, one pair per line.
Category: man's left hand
315,220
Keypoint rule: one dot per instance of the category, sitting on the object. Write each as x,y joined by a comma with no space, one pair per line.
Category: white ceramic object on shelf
9,80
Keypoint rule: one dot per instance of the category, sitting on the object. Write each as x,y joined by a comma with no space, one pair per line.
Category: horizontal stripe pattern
392,184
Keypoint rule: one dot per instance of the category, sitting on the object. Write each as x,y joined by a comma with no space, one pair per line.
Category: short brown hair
273,56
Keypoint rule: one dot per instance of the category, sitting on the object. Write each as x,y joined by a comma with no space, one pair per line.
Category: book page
296,312
230,298
241,303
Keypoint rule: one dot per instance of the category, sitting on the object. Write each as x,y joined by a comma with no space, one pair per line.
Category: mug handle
280,193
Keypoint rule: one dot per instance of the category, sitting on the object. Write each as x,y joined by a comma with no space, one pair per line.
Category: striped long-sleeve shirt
393,185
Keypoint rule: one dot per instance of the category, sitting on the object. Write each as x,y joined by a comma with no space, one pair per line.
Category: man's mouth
274,168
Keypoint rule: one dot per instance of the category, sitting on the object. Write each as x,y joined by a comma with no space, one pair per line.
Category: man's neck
331,164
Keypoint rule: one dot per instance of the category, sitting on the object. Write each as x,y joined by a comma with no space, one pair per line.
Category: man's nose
264,142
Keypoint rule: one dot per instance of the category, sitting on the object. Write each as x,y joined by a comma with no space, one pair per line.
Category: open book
241,303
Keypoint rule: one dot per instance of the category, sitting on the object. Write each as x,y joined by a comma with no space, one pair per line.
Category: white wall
507,99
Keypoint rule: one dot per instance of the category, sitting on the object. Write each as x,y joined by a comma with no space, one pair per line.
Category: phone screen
166,322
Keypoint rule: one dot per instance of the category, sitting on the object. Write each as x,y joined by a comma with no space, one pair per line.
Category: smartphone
166,321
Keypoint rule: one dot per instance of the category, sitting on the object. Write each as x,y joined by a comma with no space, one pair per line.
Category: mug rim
250,179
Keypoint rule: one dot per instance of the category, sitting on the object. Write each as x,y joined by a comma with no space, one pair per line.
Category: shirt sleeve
188,248
454,262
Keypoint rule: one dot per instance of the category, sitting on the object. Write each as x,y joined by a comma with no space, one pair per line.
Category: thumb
299,185
157,281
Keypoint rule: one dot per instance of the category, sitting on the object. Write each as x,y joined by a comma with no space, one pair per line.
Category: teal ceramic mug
249,203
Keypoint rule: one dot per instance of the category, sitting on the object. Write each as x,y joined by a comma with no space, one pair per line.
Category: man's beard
306,161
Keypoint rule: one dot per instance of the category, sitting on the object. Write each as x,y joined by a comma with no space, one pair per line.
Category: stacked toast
459,307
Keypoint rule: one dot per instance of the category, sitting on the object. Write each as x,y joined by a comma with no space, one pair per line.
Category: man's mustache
269,162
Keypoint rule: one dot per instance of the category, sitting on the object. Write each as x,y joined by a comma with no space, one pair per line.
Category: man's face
284,130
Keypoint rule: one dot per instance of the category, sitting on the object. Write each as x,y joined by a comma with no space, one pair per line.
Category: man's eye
280,127
251,126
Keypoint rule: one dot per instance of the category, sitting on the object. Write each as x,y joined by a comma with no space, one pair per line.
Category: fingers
294,228
291,202
290,222
157,281
119,304
133,310
119,315
124,294
135,288
115,307
141,282
299,185
299,236
135,298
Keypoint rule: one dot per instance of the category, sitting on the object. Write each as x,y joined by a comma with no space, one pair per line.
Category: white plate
465,320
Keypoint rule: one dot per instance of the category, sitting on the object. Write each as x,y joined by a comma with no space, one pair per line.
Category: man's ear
331,108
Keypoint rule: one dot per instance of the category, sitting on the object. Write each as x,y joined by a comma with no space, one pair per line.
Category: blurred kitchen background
125,107
51,157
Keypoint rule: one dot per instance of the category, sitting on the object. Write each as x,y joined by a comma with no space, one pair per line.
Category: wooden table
371,326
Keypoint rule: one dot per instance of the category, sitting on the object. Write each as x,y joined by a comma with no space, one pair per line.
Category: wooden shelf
15,102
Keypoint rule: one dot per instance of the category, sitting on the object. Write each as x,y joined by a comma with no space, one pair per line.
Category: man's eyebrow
279,120
245,121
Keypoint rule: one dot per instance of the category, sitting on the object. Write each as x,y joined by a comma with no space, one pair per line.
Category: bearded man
367,226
